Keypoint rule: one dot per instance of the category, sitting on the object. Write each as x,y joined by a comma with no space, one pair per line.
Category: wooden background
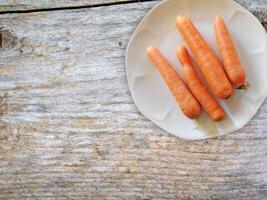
70,130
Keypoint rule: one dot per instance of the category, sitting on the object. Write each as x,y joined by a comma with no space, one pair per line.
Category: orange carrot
184,98
207,60
197,87
231,61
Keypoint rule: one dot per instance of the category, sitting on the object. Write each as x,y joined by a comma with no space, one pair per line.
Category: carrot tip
149,49
227,97
245,86
180,48
218,19
180,18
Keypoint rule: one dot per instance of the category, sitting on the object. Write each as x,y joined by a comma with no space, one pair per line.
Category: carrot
206,59
197,87
184,98
231,61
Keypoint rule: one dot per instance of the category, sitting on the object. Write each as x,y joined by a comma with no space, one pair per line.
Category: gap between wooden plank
72,7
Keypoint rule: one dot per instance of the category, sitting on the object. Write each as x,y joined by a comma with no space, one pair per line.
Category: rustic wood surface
18,5
70,130
12,5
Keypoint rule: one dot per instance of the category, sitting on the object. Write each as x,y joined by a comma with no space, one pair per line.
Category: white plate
157,29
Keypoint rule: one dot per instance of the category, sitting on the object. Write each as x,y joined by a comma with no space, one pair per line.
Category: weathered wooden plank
13,5
70,130
18,5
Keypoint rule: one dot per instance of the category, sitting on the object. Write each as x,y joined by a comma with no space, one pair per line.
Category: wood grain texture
70,130
13,5
18,5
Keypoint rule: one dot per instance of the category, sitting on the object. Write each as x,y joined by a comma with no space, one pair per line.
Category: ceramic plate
157,29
